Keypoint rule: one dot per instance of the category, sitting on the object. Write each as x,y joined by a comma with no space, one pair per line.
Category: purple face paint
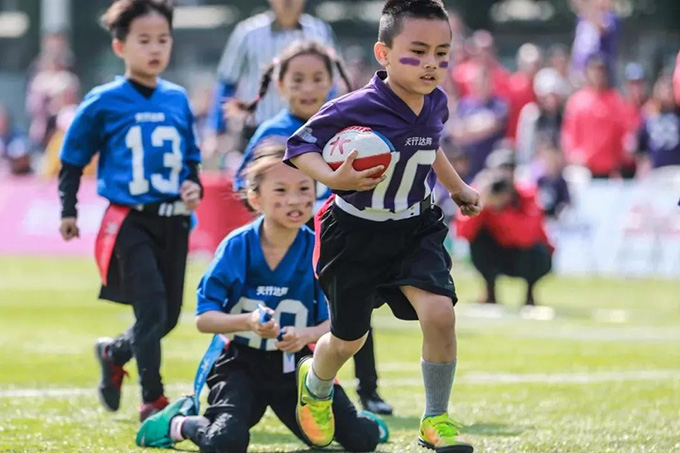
443,64
409,61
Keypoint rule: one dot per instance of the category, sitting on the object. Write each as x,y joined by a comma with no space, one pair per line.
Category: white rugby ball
372,147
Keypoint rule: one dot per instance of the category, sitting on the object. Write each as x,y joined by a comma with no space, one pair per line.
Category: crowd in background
559,107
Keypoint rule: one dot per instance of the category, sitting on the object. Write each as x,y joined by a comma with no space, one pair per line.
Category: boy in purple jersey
382,240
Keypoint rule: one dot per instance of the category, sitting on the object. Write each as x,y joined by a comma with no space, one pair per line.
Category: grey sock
438,379
318,387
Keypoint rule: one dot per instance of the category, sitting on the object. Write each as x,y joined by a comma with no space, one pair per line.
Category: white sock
318,387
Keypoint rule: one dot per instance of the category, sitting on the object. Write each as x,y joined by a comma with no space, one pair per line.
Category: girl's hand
292,340
190,192
69,228
468,200
269,329
347,178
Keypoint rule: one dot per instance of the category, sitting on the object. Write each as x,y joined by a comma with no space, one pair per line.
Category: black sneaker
374,403
112,376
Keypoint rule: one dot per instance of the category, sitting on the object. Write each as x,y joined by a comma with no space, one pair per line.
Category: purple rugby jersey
410,177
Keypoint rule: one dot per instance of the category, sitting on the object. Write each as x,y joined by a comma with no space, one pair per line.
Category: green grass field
603,375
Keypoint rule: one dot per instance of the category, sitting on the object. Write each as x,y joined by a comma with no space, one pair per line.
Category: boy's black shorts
363,263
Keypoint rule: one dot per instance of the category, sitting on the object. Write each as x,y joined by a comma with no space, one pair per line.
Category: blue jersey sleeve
82,138
217,284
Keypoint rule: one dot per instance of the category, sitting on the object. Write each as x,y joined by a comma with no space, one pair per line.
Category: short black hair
395,11
121,13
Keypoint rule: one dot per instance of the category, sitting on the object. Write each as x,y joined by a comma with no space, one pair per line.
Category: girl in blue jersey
143,129
304,74
264,266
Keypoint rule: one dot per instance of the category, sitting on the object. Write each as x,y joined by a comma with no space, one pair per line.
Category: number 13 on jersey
172,160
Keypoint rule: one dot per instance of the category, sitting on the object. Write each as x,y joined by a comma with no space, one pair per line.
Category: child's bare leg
330,355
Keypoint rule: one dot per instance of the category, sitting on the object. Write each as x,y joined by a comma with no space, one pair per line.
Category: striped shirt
253,44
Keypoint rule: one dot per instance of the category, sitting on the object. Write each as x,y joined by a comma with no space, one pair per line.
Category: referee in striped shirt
251,47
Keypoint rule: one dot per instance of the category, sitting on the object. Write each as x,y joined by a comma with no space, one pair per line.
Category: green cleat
314,416
155,431
440,433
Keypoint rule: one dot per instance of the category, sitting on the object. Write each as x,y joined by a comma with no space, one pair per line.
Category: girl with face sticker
304,75
260,293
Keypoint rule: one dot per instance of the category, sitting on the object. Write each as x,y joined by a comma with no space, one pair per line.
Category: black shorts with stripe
362,265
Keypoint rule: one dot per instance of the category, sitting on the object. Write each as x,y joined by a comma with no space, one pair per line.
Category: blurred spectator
359,70
252,46
553,190
558,59
458,27
482,54
457,56
55,48
442,197
597,33
508,237
13,145
543,117
64,92
659,143
48,92
521,84
593,127
200,96
676,80
51,161
480,122
634,104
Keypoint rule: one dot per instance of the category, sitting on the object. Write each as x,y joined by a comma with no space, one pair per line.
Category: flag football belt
163,209
382,215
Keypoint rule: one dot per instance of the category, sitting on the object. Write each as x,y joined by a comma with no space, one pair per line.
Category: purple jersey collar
378,82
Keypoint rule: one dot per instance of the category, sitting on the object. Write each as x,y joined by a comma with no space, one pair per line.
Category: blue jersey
144,144
280,127
239,279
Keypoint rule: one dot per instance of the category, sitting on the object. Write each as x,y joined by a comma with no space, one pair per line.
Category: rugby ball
372,147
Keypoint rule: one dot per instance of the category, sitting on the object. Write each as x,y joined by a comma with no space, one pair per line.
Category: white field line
469,378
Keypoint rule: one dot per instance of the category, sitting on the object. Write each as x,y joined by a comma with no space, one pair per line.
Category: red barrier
220,212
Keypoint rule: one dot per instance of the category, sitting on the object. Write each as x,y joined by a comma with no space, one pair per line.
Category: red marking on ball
364,163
